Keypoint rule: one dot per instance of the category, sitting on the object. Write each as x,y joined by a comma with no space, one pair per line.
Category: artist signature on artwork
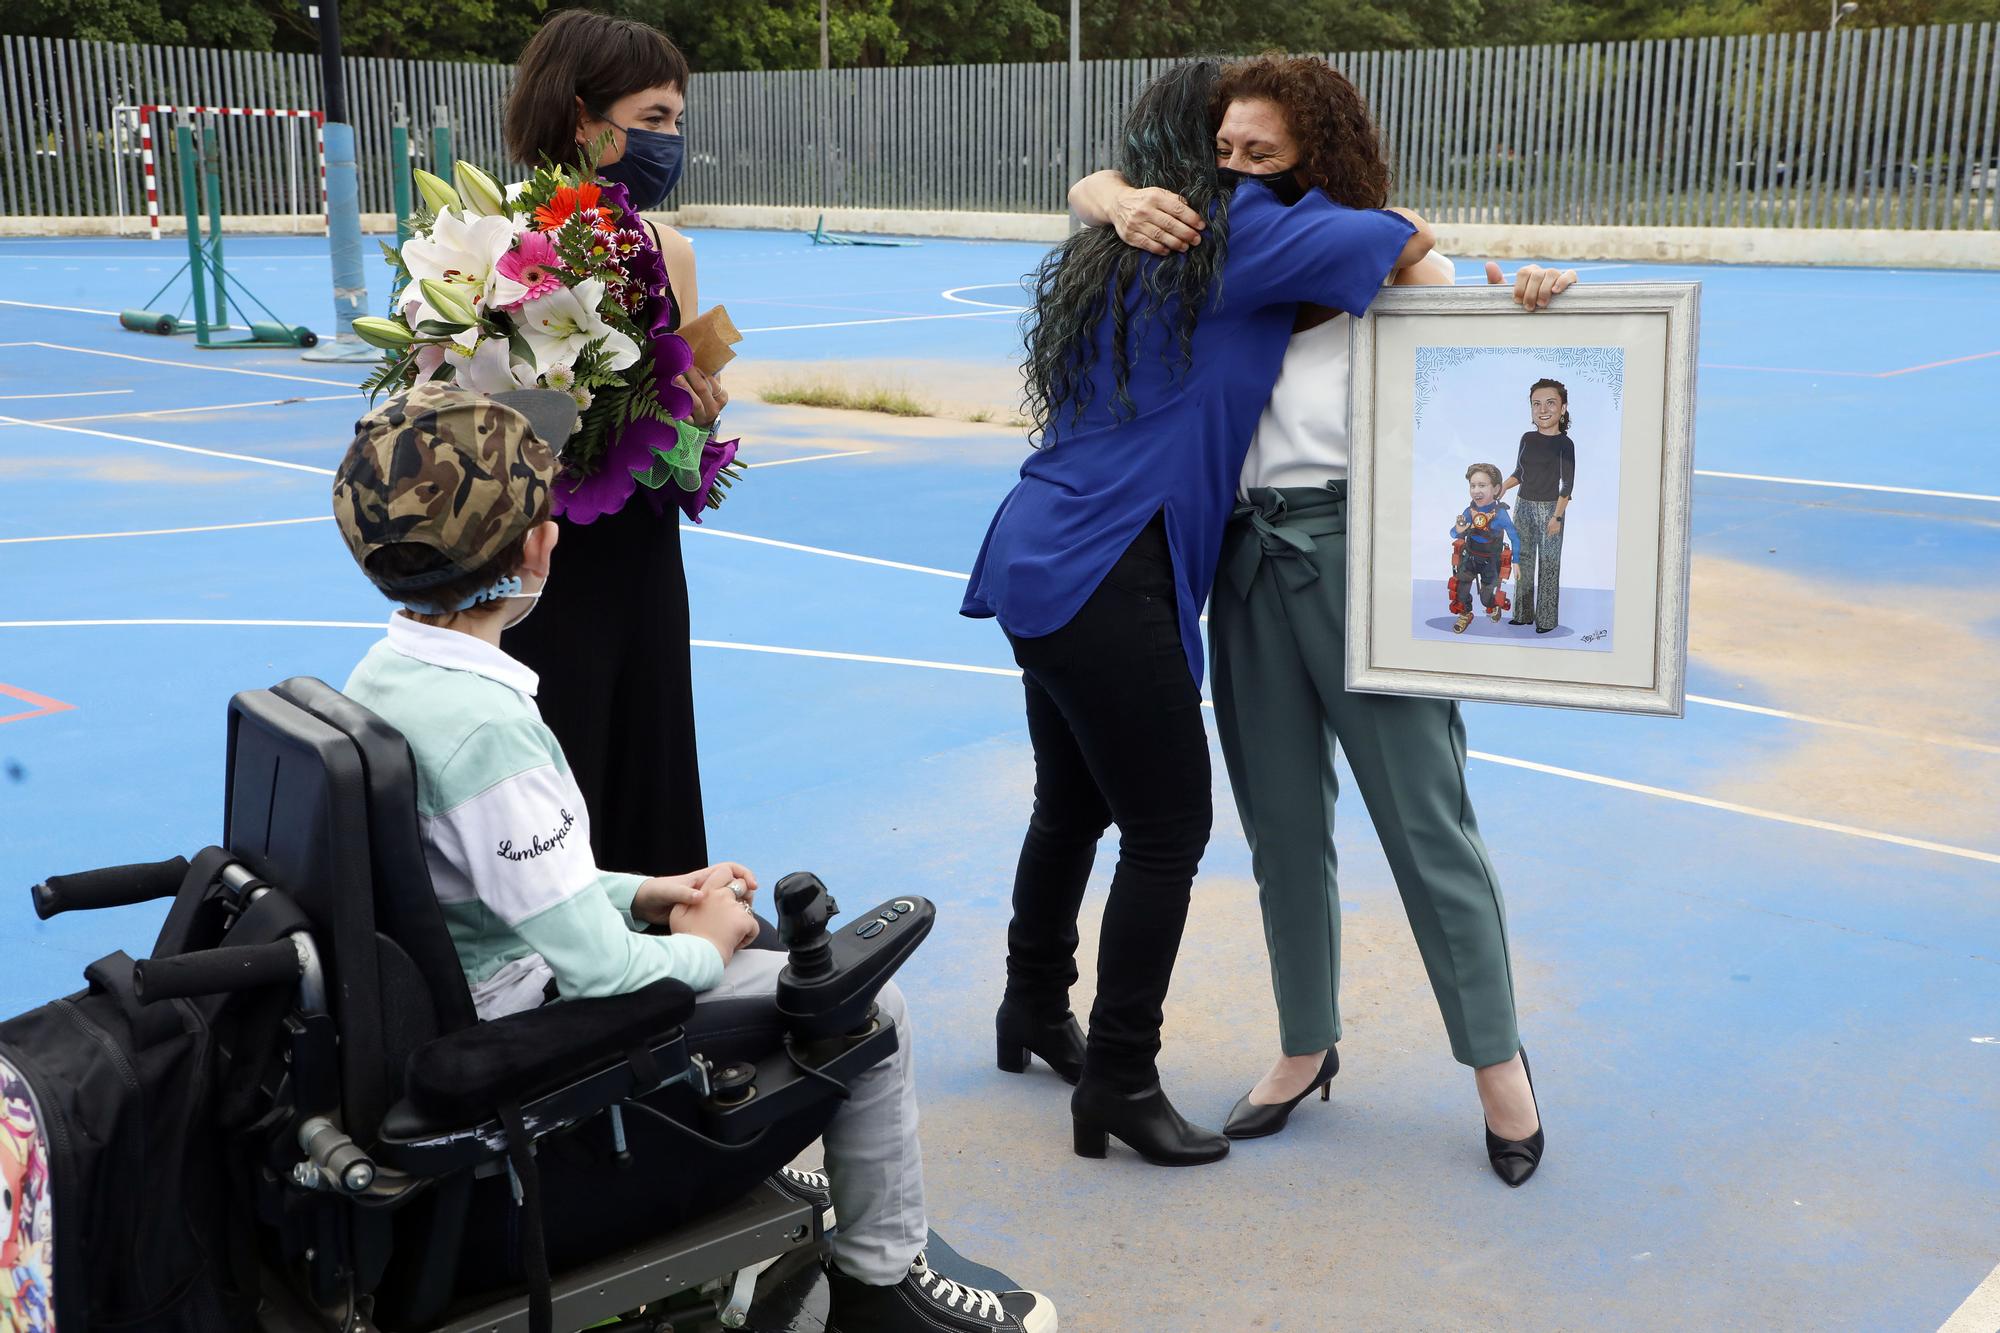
1593,638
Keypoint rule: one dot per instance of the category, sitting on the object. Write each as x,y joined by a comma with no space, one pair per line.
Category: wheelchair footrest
765,1224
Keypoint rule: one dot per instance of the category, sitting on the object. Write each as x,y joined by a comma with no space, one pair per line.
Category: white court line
810,458
952,294
1709,802
1981,1311
190,365
856,657
1849,486
167,532
275,624
821,550
1664,793
162,444
1954,742
75,393
67,309
189,411
899,319
1733,705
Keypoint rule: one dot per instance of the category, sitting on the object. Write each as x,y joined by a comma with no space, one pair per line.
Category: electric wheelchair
377,1131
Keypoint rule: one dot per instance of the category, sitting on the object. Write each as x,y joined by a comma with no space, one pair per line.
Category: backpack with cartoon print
112,1185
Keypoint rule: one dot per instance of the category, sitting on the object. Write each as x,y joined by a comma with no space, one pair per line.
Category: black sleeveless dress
609,639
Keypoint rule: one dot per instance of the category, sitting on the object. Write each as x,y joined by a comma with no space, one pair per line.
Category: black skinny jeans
1115,718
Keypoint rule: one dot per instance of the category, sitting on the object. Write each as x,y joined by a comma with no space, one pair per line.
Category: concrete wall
1685,245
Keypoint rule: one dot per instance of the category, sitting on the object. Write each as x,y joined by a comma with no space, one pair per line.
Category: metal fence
1886,127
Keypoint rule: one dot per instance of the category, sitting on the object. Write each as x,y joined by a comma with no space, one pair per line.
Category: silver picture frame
1383,428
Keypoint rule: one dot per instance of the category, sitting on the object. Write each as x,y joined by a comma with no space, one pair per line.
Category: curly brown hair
1340,150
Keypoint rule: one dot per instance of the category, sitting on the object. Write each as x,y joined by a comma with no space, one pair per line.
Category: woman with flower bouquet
557,282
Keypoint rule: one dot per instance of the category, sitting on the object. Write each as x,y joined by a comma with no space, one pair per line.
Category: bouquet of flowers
554,283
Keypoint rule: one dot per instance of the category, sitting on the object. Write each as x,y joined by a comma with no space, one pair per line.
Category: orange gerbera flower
566,202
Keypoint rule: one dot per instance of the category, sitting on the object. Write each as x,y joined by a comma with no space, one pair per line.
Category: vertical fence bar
1920,158
1879,129
1979,141
1609,74
1732,181
1647,142
1819,127
1866,156
1786,176
1906,124
1893,122
1695,190
1947,177
1840,147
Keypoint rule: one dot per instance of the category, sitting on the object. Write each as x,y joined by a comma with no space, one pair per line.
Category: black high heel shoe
1514,1160
1144,1121
1255,1120
1057,1042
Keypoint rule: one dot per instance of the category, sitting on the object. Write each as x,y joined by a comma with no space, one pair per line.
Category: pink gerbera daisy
533,264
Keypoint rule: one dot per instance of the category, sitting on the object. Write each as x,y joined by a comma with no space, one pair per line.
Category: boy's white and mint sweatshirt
505,831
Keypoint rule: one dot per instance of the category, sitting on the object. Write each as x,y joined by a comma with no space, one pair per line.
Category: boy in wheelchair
443,500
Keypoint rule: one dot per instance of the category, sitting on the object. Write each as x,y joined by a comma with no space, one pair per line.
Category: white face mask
530,598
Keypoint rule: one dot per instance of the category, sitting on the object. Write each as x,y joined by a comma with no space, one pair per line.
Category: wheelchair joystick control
804,908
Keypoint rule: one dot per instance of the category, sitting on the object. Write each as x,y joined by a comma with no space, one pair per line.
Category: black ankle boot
1057,1042
1144,1121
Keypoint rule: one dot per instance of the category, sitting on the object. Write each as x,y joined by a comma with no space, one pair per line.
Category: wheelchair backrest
322,804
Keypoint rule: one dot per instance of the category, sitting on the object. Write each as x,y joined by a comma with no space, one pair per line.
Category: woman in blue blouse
1146,377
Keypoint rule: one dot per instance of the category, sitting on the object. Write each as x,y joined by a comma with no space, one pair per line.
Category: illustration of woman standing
1545,470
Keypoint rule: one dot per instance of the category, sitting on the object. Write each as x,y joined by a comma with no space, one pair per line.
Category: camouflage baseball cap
460,472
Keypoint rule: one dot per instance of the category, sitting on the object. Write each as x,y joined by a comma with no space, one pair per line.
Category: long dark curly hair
1340,150
1169,142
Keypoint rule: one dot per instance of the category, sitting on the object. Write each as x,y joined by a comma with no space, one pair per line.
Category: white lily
560,325
491,369
460,252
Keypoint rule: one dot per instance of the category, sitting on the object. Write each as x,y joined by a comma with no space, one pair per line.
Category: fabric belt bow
1278,532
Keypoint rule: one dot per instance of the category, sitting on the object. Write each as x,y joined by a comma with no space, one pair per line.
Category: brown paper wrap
710,336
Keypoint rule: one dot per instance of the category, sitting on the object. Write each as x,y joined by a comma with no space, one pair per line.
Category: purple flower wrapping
605,491
715,456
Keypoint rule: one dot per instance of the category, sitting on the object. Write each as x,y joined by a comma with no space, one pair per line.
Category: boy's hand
718,918
1459,524
658,897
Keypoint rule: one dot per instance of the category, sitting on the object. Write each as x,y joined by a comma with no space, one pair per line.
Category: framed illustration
1518,496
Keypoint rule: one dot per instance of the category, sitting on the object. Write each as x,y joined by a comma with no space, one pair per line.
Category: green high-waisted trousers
1278,623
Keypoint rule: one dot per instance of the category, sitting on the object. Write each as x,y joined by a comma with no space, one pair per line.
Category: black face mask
1284,184
650,167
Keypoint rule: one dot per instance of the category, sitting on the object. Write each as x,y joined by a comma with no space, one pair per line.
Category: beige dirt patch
962,390
1905,658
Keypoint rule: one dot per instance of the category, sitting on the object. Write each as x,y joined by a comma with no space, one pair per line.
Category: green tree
782,34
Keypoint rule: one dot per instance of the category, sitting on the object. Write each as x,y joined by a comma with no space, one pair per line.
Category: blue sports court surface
1758,948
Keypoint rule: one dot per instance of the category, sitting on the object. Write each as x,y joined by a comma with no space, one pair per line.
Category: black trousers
609,640
1115,718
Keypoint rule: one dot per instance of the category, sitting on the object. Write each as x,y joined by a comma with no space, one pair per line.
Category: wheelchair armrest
556,1063
830,984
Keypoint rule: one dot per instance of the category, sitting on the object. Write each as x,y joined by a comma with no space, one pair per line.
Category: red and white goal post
147,111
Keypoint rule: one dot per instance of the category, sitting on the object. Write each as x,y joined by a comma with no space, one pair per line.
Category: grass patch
854,398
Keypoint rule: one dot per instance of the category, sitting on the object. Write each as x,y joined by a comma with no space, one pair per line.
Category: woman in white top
1277,624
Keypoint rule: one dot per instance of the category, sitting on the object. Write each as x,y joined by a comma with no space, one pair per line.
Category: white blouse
1301,439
